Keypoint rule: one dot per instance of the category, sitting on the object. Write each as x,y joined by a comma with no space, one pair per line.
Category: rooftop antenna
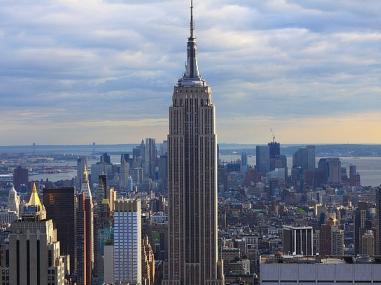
273,135
191,20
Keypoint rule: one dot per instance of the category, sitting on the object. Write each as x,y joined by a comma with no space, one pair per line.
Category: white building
290,270
14,201
127,251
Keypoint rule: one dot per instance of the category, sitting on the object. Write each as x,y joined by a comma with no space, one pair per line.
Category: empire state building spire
191,21
191,72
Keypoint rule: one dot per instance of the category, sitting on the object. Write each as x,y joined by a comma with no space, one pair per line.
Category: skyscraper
326,238
84,233
277,160
81,164
59,205
337,241
148,263
304,158
34,251
192,183
298,240
367,243
13,201
124,171
262,159
362,223
378,221
127,242
244,164
150,157
330,169
20,177
274,148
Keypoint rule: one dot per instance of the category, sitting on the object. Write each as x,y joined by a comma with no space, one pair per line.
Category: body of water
368,167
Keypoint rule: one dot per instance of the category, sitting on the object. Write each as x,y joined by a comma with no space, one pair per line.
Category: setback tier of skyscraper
192,158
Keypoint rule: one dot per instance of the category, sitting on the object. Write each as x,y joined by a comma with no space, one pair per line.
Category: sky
83,71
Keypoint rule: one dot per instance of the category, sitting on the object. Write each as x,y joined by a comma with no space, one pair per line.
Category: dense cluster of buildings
175,213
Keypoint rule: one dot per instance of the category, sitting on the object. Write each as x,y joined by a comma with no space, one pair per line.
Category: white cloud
116,61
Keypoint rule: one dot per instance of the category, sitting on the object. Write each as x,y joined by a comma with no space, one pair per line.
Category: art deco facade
34,251
192,180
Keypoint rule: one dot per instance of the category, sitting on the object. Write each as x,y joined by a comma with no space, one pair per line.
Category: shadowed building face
59,205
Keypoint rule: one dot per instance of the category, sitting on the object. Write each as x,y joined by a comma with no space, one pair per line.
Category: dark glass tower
59,205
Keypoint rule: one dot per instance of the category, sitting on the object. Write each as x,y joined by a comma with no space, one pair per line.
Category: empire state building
192,180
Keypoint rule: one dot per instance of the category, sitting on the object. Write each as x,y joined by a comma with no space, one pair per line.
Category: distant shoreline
322,150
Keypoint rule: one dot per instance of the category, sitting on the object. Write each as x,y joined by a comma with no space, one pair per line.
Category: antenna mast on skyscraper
191,20
273,135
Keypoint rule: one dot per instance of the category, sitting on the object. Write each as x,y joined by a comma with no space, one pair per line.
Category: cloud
69,65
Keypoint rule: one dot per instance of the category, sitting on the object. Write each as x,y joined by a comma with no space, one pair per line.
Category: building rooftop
290,259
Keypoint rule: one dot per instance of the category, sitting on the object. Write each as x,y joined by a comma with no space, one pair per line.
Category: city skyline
100,71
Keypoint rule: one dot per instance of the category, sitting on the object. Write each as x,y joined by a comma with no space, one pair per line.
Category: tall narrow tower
192,180
84,233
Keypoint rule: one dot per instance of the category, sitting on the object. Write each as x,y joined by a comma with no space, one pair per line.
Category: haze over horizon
75,72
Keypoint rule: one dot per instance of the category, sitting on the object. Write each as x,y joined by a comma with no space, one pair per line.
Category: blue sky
75,72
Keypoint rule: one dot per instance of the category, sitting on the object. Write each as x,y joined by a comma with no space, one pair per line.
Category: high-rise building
362,223
84,233
378,221
163,171
337,241
14,201
298,240
244,163
274,148
101,192
105,158
277,161
354,176
150,157
34,251
192,182
127,250
367,243
148,263
102,228
330,169
262,159
20,177
137,175
60,207
81,164
164,148
103,167
304,158
326,238
124,171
